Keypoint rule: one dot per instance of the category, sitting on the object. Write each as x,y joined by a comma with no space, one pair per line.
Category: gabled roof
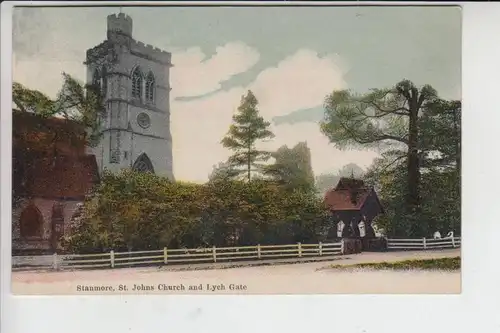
62,176
349,194
349,183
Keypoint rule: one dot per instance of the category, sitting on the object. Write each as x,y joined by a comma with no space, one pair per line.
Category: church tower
134,79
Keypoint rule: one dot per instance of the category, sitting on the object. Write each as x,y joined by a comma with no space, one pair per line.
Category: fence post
165,254
54,261
425,244
320,249
259,255
453,241
299,246
112,258
342,246
214,253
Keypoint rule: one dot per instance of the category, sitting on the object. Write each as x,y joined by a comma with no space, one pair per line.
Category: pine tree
247,129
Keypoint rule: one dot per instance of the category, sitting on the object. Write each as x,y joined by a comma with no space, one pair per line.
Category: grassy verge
445,264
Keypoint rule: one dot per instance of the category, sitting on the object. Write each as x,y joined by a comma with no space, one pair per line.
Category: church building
135,80
51,181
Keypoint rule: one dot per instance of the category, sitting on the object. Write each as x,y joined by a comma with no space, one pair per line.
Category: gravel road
285,278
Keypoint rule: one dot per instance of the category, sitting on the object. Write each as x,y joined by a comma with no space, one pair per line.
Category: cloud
301,81
46,76
193,75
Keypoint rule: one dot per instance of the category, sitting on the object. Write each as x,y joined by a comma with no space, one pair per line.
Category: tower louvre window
150,88
104,81
96,79
137,84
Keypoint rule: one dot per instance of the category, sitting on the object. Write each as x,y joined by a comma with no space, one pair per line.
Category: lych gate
353,207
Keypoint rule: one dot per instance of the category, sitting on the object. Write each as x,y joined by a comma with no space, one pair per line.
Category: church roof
70,177
49,158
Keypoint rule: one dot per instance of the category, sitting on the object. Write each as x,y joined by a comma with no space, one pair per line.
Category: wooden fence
423,243
177,256
213,255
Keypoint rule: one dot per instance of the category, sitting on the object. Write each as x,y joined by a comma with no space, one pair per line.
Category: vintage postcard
244,149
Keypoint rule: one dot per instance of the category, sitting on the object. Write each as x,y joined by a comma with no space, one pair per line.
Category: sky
290,57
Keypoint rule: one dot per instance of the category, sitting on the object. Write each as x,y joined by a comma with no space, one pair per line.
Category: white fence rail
423,243
177,256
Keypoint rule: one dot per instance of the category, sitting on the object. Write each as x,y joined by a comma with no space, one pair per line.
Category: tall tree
247,130
382,118
80,103
441,134
292,167
222,171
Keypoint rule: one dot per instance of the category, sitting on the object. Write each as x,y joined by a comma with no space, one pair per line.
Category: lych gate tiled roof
345,199
349,194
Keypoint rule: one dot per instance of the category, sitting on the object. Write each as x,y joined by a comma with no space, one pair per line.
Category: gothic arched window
31,222
143,164
104,81
137,83
96,79
150,88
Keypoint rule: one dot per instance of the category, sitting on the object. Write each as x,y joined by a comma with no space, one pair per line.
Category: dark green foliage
142,211
418,174
292,168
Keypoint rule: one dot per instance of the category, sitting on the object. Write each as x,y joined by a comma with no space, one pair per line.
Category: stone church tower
135,80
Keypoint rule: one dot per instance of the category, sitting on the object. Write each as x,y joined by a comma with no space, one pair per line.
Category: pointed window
104,81
143,164
137,83
96,79
150,88
31,222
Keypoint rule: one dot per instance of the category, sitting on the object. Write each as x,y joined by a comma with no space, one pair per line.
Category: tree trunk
413,199
248,167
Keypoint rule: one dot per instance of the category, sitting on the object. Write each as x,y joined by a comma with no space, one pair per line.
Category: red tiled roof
342,199
38,133
62,176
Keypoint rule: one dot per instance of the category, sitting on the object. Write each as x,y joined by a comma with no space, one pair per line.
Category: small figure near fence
437,235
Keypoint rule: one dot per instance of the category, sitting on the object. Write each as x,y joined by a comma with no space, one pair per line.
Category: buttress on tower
134,79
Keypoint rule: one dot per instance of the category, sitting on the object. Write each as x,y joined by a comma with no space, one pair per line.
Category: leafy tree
82,104
134,210
292,167
247,129
382,118
141,211
222,171
441,134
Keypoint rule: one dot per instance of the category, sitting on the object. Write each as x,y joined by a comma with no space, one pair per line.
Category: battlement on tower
151,52
120,23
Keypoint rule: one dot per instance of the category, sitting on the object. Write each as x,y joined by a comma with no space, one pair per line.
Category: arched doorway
31,223
143,164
